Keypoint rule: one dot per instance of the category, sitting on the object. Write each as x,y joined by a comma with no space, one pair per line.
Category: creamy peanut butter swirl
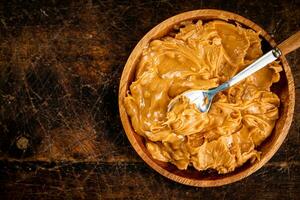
203,56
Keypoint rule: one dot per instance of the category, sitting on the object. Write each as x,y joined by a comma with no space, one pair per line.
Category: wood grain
71,38
133,181
285,89
290,44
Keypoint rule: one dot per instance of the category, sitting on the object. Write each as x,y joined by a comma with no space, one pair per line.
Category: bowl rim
157,32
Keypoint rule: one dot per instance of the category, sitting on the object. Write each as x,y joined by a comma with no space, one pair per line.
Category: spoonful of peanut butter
203,98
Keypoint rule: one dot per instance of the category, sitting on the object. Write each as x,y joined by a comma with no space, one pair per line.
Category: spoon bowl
201,98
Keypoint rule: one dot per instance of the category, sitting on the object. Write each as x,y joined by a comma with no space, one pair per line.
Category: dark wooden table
60,132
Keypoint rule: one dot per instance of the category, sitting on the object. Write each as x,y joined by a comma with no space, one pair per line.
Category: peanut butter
203,56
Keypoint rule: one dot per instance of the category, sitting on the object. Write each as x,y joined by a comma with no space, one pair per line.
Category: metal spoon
203,98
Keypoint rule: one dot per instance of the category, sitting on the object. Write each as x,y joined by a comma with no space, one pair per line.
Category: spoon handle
287,46
290,44
255,66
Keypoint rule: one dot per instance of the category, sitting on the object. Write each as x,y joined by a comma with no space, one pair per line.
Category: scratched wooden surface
60,133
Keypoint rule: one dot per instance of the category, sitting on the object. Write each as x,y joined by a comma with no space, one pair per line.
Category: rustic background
60,132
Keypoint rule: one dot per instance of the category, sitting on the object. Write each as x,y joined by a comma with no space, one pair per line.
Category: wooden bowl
285,89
